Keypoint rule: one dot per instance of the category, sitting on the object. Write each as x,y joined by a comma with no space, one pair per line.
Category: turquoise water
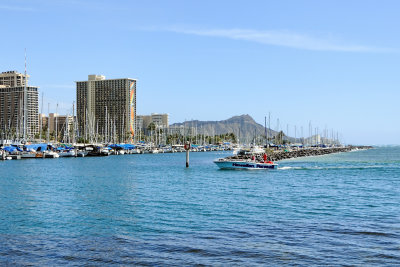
341,209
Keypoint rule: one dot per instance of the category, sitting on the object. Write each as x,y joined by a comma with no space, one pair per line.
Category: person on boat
265,159
253,158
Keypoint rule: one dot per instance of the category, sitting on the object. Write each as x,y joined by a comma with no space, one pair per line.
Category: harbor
199,133
240,152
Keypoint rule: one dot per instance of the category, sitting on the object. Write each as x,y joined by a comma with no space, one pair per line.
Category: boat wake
290,168
332,167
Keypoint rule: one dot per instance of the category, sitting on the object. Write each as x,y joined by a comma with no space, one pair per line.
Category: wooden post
187,148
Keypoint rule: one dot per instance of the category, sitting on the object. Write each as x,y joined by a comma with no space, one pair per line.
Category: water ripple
148,210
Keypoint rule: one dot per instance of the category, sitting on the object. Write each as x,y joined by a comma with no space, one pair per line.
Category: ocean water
149,210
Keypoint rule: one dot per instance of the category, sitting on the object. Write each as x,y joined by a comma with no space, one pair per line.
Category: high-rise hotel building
106,107
12,88
13,78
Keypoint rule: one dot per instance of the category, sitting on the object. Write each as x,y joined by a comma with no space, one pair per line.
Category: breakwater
281,155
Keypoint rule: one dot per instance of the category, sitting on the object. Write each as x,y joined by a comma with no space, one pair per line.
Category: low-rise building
57,123
159,120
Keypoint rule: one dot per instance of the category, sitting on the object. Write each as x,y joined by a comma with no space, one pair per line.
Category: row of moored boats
20,151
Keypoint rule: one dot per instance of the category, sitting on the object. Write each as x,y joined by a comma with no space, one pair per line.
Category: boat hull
244,165
51,155
67,154
81,153
31,155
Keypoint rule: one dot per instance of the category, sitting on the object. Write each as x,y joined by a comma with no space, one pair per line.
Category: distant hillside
244,124
246,127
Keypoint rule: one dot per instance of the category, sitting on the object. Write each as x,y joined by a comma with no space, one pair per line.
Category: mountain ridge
243,126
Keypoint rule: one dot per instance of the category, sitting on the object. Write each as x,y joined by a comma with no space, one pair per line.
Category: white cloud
281,38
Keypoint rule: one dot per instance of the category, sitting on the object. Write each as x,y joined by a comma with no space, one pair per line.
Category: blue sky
334,63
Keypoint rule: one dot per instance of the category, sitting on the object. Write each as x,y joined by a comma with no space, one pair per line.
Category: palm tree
279,138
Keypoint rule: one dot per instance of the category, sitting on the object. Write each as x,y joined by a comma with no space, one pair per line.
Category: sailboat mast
48,123
269,126
73,122
265,130
239,136
25,104
41,120
56,126
287,132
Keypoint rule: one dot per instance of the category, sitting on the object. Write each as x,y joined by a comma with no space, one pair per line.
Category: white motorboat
96,151
135,151
51,154
105,151
67,153
244,164
4,155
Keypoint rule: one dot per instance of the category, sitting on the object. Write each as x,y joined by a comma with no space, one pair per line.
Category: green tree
278,139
